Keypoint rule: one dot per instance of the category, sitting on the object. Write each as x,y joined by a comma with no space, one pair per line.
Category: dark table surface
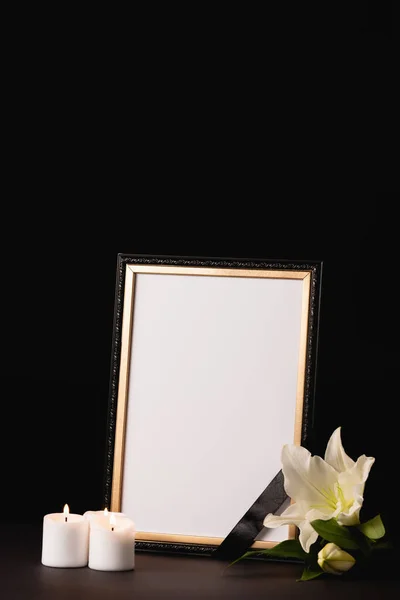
23,577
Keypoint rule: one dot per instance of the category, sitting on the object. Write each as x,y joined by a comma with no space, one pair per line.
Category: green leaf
373,529
310,573
286,549
364,543
331,531
246,555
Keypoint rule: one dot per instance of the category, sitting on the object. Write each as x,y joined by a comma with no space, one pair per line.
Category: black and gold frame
213,370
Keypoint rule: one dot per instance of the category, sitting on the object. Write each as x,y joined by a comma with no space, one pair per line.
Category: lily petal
307,536
351,485
335,454
351,515
308,479
293,515
353,480
314,514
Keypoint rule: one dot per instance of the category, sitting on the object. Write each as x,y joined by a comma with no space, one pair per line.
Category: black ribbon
242,536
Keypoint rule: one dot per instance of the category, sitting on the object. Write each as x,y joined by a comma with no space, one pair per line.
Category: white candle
111,543
65,541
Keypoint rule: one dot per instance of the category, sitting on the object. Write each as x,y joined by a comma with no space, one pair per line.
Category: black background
57,331
226,152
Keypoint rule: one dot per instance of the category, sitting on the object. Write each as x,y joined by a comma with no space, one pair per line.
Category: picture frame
213,369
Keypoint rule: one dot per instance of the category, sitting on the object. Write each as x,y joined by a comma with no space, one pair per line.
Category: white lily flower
321,489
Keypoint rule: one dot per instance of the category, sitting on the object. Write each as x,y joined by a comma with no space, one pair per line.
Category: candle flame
113,521
106,512
66,510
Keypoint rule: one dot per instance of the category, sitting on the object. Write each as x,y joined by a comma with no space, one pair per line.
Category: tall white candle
111,543
65,540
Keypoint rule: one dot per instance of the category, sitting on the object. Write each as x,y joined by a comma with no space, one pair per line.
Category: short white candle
111,543
65,540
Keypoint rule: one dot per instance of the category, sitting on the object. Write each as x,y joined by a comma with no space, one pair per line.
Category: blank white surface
212,395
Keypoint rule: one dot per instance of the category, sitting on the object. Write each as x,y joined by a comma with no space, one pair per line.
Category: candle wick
112,528
66,519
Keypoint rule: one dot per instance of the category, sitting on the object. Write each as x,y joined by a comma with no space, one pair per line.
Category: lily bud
334,560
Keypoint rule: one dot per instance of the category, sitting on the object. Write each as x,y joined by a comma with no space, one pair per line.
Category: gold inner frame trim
123,384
